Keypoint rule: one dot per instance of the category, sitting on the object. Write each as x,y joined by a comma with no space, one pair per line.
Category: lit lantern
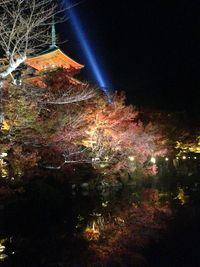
184,157
166,159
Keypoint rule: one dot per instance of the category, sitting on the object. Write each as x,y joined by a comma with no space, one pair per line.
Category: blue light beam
97,72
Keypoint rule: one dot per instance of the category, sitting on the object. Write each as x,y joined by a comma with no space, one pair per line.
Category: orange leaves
113,131
108,121
81,126
92,233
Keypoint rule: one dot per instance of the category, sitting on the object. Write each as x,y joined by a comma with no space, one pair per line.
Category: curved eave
55,58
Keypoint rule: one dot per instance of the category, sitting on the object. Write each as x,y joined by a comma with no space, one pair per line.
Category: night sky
149,49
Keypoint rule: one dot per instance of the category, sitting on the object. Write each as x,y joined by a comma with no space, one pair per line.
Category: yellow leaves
88,143
190,147
20,112
178,144
5,126
3,169
92,233
181,196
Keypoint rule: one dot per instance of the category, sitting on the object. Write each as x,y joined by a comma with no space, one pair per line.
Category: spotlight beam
94,66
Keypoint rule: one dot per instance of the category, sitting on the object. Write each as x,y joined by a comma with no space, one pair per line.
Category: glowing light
120,221
2,249
4,154
153,160
3,167
177,157
95,159
5,126
92,233
195,157
104,204
103,165
3,256
184,157
181,196
131,158
94,66
166,159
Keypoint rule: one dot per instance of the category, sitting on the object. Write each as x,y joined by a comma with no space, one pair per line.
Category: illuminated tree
61,92
63,125
38,120
180,130
188,146
116,137
24,28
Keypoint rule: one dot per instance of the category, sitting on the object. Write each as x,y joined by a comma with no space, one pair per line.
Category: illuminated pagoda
50,60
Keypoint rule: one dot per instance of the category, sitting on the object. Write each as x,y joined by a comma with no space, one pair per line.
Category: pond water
151,223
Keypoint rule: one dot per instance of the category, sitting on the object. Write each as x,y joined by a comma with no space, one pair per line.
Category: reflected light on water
3,256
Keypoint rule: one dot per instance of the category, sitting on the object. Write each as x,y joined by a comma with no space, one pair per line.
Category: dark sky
149,49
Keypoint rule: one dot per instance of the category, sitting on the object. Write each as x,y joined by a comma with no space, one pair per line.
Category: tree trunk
12,67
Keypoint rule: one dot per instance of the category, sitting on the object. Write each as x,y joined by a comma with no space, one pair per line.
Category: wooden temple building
36,68
50,60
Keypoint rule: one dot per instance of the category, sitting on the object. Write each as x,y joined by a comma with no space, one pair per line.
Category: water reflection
45,226
3,256
127,225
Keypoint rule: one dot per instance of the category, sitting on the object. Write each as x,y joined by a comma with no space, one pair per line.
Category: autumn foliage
62,126
116,137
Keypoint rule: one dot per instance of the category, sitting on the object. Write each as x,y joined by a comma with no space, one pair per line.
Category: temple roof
53,58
